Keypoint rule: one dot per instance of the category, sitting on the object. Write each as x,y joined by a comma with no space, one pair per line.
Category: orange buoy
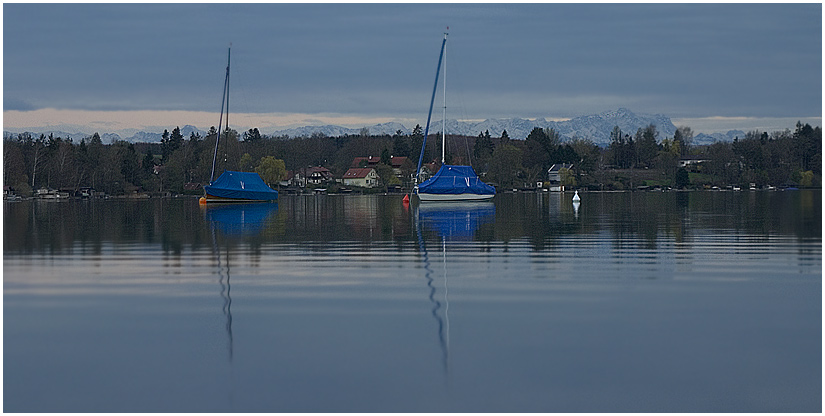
202,201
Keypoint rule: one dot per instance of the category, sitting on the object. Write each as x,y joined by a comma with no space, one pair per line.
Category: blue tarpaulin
241,185
456,179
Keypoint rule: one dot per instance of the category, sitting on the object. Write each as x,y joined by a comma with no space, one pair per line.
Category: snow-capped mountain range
596,127
703,138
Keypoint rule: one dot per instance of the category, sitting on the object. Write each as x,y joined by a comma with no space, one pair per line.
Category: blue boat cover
454,180
241,185
240,219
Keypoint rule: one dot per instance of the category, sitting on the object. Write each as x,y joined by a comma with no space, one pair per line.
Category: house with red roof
398,164
363,177
317,175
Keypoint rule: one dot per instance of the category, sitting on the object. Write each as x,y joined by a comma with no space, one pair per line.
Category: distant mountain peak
621,112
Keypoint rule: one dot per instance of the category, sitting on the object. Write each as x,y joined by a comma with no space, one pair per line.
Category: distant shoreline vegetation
632,160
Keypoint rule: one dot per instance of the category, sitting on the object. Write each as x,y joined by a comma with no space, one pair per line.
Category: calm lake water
632,302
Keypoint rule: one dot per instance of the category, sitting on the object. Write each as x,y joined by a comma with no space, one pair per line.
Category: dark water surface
632,302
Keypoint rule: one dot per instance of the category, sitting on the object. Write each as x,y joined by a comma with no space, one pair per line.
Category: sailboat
451,182
233,186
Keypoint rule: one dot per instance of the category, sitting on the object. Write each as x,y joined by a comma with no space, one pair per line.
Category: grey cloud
694,59
16,104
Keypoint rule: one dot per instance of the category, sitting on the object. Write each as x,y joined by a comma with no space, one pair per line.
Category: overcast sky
94,67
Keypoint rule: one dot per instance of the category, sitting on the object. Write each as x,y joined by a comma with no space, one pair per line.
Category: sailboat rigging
451,182
233,186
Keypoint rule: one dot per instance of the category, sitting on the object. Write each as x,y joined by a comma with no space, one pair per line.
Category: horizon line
89,122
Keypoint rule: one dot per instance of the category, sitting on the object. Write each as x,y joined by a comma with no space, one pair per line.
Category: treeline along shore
632,160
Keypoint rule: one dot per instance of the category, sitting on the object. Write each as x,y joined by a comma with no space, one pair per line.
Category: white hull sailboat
451,182
424,196
234,186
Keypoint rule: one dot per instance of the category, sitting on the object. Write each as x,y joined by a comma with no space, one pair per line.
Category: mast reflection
234,222
225,291
452,221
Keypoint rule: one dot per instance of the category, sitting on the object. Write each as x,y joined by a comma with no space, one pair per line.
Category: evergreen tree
685,137
401,146
253,135
417,131
542,149
616,146
646,145
148,163
165,145
483,148
808,144
505,165
176,139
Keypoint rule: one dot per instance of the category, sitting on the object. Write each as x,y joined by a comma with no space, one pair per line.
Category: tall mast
228,54
444,114
224,101
430,113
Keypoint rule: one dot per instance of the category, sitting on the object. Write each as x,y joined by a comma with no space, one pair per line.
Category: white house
684,162
363,177
554,173
318,175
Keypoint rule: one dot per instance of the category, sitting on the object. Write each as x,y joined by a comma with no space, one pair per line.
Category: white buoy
576,197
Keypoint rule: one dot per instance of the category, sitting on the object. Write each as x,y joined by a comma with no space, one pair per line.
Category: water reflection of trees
796,213
542,218
647,216
650,217
322,222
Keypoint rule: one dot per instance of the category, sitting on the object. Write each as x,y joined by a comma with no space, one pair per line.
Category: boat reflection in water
233,221
452,221
456,221
240,219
